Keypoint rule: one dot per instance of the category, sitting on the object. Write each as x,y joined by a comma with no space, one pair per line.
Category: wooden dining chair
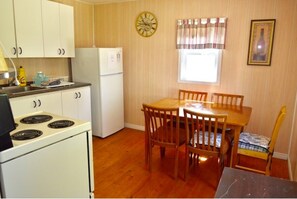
192,95
259,146
203,138
227,99
161,131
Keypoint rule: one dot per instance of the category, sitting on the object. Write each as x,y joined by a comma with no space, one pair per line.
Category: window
200,66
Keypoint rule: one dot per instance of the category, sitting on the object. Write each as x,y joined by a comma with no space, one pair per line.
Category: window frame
218,60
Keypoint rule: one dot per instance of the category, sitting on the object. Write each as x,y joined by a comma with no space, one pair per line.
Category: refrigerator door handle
111,74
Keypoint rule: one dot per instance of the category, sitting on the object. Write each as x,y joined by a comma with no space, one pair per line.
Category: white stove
58,163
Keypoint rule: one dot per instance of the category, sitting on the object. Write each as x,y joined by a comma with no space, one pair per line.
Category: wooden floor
120,170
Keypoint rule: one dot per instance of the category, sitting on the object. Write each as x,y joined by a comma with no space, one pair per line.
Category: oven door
57,170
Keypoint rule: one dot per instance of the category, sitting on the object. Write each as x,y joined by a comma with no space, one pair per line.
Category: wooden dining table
237,116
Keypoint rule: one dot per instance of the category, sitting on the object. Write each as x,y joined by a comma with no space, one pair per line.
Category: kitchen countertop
45,90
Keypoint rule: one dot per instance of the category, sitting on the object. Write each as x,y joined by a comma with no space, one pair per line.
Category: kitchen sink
18,89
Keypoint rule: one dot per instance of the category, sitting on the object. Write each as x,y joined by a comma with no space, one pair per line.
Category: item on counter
51,83
22,76
39,78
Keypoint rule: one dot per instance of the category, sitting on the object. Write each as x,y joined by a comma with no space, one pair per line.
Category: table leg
237,130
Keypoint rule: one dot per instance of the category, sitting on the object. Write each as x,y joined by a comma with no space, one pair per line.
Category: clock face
146,24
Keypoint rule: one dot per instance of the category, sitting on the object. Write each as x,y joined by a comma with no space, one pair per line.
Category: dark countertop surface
45,90
237,183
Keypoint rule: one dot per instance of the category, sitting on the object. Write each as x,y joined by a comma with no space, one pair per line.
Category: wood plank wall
150,64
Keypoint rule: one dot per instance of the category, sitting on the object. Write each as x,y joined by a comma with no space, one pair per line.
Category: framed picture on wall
261,42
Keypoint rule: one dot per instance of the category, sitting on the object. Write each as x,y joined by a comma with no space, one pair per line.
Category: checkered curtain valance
201,33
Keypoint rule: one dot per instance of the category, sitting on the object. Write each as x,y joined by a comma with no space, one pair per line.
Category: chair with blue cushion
259,146
204,139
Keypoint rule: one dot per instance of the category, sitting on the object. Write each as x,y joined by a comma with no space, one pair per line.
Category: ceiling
105,1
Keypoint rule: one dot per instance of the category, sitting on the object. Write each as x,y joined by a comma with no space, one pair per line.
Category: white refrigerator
103,68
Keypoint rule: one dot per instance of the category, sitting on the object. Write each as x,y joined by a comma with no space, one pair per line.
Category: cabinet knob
20,51
14,50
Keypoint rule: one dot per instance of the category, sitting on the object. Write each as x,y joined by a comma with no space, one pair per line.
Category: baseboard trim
282,156
134,126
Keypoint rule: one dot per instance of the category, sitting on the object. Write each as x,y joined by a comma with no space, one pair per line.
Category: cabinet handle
39,103
59,51
76,95
79,94
14,50
63,50
20,51
35,104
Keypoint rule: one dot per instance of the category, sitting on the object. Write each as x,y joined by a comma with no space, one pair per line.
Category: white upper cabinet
36,28
7,33
21,28
58,29
28,25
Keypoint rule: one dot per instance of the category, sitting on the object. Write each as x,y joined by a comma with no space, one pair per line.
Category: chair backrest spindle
192,95
230,99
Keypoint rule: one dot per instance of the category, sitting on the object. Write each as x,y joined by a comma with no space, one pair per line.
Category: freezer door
111,61
112,104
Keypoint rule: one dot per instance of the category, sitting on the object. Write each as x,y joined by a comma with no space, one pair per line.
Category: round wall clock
146,24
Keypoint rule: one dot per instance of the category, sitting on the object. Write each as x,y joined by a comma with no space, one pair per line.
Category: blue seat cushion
224,145
254,142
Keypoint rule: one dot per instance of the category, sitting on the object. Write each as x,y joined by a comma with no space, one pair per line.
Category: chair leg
268,165
150,154
176,163
220,168
187,159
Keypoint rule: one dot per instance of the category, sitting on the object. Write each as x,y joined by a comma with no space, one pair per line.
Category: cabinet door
76,103
23,105
51,28
50,102
84,104
67,30
58,29
7,33
69,103
28,23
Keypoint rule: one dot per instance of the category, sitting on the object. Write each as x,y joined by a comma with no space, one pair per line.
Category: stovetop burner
26,134
60,124
34,119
